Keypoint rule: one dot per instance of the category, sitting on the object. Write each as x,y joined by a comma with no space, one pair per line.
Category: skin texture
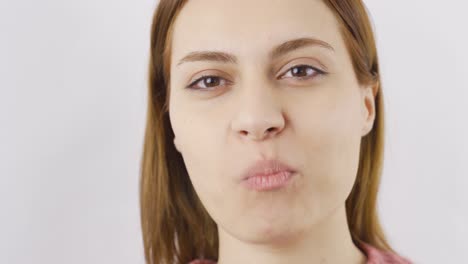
259,108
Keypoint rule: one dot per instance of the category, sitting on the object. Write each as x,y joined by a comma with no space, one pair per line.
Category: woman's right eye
208,82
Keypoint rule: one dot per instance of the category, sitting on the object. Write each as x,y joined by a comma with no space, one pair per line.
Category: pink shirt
374,256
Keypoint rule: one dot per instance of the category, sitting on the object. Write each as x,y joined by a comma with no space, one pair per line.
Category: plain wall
72,113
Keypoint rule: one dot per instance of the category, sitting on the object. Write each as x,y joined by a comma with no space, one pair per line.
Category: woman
264,137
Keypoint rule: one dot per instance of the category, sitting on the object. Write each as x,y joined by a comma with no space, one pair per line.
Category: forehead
249,28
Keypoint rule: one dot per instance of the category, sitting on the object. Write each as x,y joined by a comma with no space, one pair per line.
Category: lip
265,175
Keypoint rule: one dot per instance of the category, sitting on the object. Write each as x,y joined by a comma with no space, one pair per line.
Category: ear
175,144
368,94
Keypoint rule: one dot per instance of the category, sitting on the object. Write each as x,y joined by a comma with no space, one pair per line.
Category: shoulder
377,256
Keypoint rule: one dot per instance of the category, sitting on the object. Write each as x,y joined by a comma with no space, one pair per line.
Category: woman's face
266,103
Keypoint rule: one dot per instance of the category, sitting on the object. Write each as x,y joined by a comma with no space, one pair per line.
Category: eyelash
317,73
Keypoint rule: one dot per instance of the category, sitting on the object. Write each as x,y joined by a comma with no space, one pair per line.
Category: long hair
176,227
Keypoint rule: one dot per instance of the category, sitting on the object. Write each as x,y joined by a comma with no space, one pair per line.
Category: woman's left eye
303,72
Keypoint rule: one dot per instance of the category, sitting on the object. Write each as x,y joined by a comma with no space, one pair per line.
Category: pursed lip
266,167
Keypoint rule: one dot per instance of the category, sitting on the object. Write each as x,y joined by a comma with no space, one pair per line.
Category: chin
272,232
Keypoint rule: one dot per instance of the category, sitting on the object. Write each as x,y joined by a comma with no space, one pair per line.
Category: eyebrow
277,51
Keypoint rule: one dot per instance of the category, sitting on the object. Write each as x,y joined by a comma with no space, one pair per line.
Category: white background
72,113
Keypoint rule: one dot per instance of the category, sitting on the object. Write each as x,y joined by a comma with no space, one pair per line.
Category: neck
327,242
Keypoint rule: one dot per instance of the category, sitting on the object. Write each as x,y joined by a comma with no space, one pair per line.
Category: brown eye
303,72
211,81
207,83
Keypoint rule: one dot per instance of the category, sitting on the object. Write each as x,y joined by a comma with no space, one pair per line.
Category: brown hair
176,228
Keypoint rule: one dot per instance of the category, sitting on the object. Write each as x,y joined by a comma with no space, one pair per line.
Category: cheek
199,149
200,155
330,140
195,130
198,137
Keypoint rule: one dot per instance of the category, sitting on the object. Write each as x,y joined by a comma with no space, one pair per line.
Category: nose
260,115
